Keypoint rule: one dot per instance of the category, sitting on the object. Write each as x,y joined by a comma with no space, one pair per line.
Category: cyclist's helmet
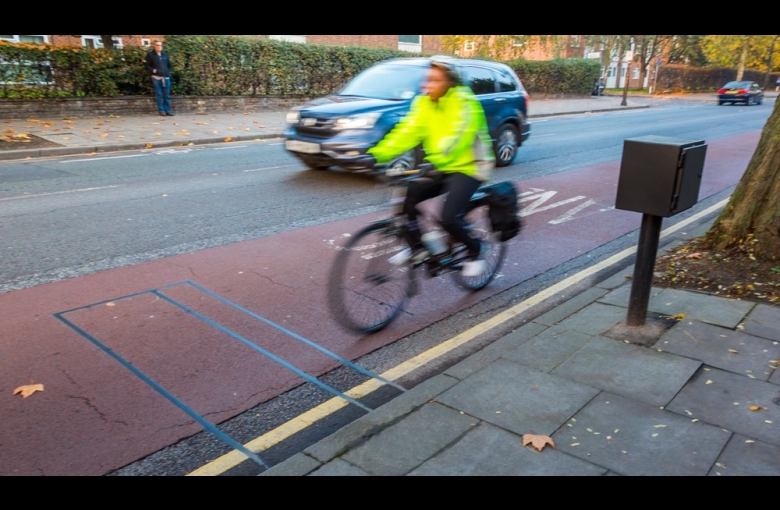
450,69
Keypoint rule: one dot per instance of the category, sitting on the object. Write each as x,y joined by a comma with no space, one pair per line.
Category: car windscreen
737,85
393,82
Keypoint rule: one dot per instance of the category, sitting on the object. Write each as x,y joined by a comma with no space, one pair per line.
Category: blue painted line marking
298,337
151,382
206,424
259,349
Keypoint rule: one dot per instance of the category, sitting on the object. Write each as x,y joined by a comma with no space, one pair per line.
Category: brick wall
370,41
20,109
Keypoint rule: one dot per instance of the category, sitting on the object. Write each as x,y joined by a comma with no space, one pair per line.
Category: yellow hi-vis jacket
453,133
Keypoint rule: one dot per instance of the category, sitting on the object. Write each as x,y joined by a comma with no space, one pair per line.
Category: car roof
425,61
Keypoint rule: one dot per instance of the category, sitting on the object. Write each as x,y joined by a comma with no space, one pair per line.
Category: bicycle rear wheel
495,253
365,291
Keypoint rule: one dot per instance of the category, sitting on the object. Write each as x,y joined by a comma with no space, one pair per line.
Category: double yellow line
283,432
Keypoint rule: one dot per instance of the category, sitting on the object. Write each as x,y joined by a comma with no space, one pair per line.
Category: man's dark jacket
158,65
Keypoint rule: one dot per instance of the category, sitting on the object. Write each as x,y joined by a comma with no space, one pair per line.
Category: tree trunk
743,58
753,211
108,41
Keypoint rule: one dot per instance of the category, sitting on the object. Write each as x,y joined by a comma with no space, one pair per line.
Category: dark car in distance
748,92
345,124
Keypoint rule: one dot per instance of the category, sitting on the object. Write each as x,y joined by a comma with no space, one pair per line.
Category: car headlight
293,117
362,121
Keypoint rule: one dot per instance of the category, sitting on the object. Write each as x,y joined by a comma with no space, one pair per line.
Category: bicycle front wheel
494,254
365,291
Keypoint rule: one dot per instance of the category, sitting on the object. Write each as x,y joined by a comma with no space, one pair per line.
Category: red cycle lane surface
103,345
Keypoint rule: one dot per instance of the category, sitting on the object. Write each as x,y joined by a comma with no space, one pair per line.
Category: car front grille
316,126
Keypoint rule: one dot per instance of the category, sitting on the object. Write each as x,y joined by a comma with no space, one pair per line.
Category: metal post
646,254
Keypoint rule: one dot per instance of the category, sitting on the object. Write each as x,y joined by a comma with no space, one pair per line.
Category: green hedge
560,76
679,78
203,66
249,66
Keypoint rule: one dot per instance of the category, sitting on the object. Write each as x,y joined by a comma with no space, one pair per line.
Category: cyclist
449,121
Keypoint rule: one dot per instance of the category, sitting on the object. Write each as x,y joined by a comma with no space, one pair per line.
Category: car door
483,82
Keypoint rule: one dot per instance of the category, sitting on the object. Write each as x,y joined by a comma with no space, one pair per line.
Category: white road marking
60,192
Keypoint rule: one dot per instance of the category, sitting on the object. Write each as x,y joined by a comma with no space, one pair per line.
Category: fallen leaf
228,139
10,131
754,408
149,145
66,138
693,256
28,389
104,135
214,132
733,351
537,440
111,304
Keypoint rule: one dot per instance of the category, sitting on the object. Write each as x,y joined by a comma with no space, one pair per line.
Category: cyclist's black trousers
459,189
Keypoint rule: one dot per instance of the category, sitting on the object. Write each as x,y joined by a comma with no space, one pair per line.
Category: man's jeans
163,94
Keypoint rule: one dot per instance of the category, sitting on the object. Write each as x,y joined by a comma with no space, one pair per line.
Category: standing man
159,64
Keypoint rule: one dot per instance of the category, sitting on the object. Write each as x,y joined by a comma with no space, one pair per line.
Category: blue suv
347,123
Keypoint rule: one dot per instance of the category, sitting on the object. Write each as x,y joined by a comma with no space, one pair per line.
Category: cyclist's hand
358,162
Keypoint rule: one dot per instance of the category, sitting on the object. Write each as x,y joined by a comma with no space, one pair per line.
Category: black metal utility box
660,175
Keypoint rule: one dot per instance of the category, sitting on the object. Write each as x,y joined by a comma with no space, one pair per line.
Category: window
410,39
94,41
634,73
518,43
506,83
481,80
35,39
575,41
146,42
410,43
289,38
468,46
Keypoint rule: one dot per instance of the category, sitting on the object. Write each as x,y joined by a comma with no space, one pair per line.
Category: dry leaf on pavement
537,440
28,389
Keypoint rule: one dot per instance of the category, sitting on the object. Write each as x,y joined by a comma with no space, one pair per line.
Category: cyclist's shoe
401,257
474,267
417,256
477,265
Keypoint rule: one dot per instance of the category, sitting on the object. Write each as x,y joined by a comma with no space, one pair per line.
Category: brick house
81,41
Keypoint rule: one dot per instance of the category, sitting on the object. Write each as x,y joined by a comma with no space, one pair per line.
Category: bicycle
366,292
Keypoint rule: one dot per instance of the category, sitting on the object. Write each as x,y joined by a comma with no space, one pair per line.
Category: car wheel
506,145
720,103
313,166
749,100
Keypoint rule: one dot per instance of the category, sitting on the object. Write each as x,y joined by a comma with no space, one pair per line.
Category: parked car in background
349,122
748,92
